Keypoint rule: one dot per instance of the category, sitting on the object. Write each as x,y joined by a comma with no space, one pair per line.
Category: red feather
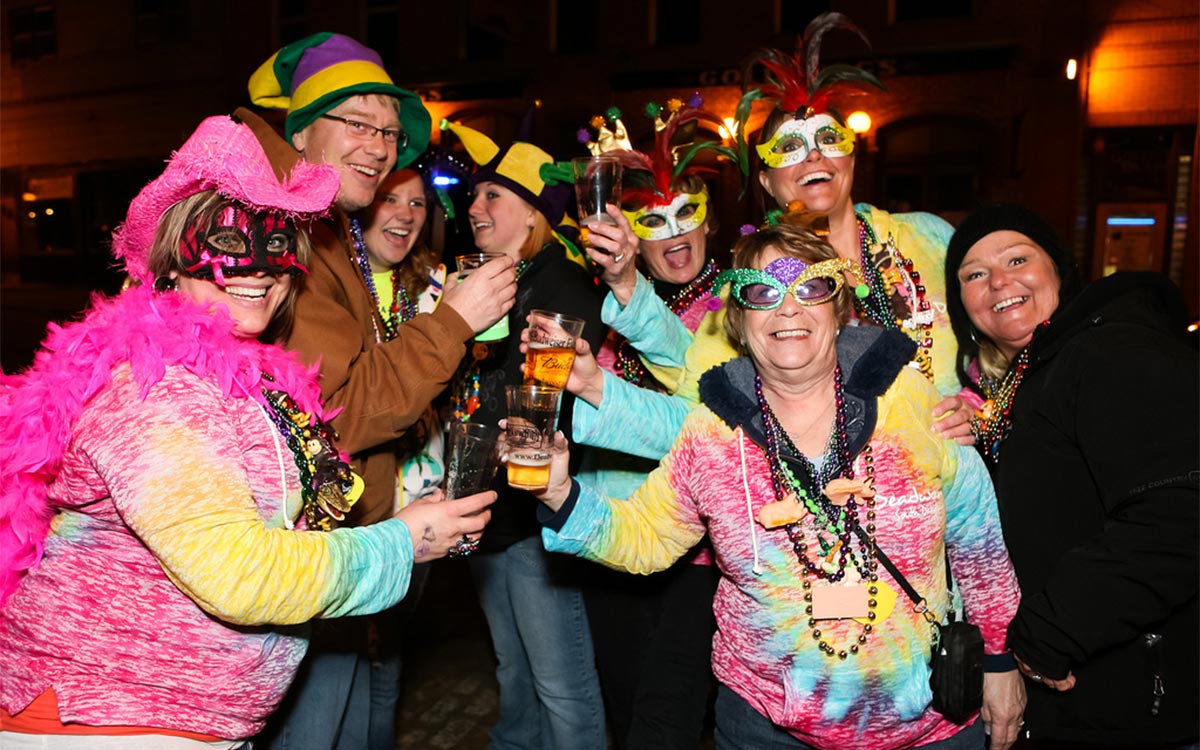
792,80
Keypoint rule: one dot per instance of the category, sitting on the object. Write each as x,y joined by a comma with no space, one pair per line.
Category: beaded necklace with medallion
628,364
884,304
834,524
328,487
402,308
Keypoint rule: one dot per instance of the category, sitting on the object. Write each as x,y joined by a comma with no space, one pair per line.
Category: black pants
653,641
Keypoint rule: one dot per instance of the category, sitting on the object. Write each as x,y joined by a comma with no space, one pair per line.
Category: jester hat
523,168
312,76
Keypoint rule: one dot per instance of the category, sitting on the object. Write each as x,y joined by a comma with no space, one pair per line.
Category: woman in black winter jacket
1090,428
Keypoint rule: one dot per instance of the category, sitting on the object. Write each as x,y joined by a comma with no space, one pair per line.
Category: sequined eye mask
240,242
685,212
794,139
811,284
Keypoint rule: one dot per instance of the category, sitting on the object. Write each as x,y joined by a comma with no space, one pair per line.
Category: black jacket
551,282
1099,500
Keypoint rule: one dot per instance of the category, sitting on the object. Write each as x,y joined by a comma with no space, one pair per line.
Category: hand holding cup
529,428
586,380
614,248
482,292
439,527
550,349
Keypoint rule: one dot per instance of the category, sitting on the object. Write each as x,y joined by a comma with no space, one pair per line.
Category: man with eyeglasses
344,110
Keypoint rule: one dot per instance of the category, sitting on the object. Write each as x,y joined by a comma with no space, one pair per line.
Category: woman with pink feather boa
170,488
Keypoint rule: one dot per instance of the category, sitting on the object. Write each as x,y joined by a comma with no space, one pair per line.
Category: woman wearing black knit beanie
1090,427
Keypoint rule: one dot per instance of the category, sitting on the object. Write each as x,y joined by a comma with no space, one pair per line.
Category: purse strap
991,662
920,605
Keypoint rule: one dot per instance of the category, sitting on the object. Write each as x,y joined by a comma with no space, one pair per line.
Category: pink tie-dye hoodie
932,496
170,590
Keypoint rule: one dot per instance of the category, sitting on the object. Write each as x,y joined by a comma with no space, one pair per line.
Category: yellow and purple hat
523,168
312,76
529,172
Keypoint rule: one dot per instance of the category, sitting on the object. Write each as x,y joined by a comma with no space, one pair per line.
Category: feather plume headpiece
796,82
651,179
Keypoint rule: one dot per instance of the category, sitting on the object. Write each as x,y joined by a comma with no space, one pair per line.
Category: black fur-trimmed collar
870,358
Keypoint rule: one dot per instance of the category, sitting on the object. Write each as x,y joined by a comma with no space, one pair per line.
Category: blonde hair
166,253
791,240
992,362
540,234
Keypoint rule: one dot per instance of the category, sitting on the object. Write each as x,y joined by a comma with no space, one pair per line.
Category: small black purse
957,676
957,657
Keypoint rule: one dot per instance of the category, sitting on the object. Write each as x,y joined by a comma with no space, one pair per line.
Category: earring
164,284
973,337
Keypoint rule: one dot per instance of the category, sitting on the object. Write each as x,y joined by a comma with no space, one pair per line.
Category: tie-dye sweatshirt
168,567
932,496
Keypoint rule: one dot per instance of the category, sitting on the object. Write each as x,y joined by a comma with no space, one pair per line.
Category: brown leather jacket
381,388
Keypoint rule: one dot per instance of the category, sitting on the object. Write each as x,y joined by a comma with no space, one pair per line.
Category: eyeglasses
366,132
756,289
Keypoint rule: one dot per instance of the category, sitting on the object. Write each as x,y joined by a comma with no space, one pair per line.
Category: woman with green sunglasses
810,457
762,289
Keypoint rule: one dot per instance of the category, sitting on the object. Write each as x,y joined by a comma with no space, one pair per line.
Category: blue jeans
739,726
385,666
385,694
326,708
549,692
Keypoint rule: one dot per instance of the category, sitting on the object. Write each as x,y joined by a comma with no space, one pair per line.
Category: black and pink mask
240,242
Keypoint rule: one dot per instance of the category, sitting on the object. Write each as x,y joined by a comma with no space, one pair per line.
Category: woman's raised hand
437,525
485,296
613,249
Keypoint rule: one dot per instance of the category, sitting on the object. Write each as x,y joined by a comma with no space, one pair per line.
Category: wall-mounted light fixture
859,122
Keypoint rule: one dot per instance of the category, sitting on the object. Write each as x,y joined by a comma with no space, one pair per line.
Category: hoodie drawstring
749,510
283,495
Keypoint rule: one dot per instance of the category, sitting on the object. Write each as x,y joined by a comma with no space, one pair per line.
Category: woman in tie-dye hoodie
803,456
168,476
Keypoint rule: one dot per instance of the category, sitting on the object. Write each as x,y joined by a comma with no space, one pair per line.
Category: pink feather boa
39,407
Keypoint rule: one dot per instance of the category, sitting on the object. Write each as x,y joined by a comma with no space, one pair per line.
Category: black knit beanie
979,224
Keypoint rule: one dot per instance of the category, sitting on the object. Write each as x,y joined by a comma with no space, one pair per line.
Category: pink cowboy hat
225,156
